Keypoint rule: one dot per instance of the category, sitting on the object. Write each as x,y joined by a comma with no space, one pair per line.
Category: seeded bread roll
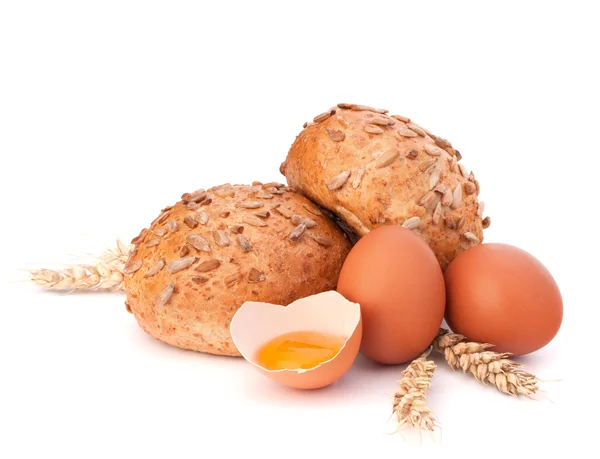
371,169
202,258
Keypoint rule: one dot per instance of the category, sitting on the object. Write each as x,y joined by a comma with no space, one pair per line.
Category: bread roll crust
371,169
202,258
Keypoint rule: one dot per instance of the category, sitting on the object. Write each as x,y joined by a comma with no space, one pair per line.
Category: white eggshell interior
255,323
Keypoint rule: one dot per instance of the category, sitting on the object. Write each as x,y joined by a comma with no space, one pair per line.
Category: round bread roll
369,169
202,258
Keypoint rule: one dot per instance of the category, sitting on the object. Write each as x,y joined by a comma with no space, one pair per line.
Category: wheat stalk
486,366
106,274
410,400
118,255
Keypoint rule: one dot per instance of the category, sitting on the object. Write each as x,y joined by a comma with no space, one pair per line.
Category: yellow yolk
299,350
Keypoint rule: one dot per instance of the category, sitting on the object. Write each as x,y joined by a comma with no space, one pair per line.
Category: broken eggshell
255,324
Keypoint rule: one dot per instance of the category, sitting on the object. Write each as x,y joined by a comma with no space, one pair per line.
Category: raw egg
307,344
502,295
395,277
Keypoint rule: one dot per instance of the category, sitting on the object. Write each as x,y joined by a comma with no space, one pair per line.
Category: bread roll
370,169
202,258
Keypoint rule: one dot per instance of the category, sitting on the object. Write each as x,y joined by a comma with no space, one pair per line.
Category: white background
110,110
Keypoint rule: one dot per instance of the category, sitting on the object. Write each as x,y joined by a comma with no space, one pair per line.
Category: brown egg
499,294
394,276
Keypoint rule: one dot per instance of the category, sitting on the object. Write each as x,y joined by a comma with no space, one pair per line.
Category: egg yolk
299,350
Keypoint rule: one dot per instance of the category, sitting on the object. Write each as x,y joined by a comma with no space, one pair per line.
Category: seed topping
198,242
442,143
163,216
434,178
132,266
322,240
231,280
432,150
165,295
181,264
453,163
185,251
382,121
250,204
372,129
437,213
480,209
199,279
361,108
323,116
405,132
470,188
471,237
190,222
160,232
404,119
172,226
297,219
208,265
287,213
430,200
243,242
338,181
140,237
252,220
411,223
297,232
196,196
447,197
336,135
418,129
456,196
273,185
224,192
263,214
155,268
255,276
237,229
152,242
385,159
312,210
412,154
221,238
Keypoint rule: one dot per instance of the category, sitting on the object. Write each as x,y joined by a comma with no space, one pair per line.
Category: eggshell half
255,324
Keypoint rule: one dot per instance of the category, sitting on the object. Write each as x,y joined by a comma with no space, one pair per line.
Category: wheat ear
106,274
486,366
410,400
